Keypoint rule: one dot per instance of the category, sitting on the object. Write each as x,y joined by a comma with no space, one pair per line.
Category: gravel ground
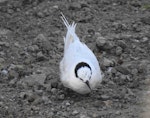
31,47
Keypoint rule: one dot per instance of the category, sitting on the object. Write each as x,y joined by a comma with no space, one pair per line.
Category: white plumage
79,67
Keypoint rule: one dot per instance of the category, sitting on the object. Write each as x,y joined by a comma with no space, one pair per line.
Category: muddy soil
31,47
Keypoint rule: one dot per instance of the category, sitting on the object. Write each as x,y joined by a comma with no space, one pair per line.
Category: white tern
79,68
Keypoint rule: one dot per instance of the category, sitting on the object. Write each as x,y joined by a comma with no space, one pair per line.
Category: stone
143,66
40,38
16,44
145,39
67,104
130,92
83,116
74,6
13,74
55,6
33,48
122,70
117,112
113,71
107,63
5,44
40,14
31,98
16,67
100,42
146,20
4,72
111,83
28,95
4,31
48,87
37,101
134,71
53,81
23,95
146,81
40,56
43,43
75,112
104,97
1,60
54,90
119,51
121,43
61,97
13,82
96,115
103,44
1,104
108,103
2,53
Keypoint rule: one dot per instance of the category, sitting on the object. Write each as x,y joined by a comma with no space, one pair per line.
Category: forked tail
71,35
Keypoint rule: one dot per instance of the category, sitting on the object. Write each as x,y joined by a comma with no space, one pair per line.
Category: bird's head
83,72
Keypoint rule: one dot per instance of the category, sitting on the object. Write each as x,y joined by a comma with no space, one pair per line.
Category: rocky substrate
31,47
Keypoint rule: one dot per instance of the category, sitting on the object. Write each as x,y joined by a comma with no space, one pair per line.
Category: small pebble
40,14
122,70
1,104
2,60
40,56
13,81
118,113
68,104
100,42
107,62
83,116
23,95
75,6
75,112
145,39
118,51
4,72
5,44
54,90
13,74
134,71
104,97
122,44
33,48
61,97
55,6
40,38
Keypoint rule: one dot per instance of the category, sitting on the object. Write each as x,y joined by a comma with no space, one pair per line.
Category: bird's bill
87,83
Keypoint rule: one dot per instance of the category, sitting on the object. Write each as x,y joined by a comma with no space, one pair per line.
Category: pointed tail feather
71,35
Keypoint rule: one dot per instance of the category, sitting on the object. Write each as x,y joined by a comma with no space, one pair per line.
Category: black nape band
80,65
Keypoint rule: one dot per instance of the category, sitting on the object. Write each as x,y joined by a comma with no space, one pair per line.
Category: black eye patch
80,65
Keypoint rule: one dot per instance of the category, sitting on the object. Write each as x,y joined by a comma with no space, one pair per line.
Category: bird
79,67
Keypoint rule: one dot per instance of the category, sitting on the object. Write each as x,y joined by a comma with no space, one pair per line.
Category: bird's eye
81,79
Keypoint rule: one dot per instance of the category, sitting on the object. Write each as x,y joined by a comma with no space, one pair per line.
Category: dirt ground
31,47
